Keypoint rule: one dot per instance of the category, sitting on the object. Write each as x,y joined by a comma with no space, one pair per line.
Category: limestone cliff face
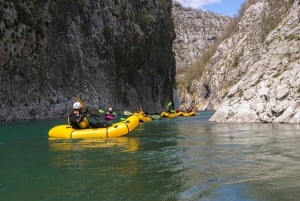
254,74
196,30
108,53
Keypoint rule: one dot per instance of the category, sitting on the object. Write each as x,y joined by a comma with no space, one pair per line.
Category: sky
223,7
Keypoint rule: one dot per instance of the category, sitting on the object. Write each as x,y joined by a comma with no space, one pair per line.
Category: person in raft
182,108
110,115
170,108
141,111
78,120
192,107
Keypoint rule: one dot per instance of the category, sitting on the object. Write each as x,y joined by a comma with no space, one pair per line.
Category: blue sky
223,7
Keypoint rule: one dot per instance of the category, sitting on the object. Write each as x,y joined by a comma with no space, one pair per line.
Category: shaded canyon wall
108,53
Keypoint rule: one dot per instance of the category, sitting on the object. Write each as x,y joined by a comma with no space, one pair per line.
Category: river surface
182,159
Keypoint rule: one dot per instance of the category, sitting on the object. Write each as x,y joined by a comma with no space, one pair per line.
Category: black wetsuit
75,119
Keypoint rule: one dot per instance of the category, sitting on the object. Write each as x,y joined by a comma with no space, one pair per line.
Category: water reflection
239,159
183,159
127,144
87,154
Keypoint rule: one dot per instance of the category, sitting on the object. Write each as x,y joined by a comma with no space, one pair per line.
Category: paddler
77,119
110,115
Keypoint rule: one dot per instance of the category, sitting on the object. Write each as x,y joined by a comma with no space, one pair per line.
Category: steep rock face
254,74
196,30
108,53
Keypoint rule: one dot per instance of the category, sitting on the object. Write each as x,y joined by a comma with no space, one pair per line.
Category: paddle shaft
84,106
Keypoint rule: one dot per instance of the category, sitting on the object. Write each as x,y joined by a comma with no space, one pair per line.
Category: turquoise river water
182,159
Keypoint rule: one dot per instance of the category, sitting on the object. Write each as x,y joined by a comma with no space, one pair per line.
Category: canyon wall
254,74
108,53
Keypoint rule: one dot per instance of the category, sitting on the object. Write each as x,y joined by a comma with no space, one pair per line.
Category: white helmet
110,109
76,106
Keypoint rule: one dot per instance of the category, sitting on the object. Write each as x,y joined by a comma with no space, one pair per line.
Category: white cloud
196,3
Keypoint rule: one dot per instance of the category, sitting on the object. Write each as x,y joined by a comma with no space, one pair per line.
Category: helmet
110,109
76,106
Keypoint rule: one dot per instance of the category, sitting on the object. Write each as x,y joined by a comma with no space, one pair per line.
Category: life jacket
84,123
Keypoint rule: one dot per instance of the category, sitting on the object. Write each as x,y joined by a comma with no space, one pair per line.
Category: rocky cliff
196,30
108,53
254,74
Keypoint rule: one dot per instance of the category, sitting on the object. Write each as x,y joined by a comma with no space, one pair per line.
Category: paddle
127,113
169,106
154,116
84,106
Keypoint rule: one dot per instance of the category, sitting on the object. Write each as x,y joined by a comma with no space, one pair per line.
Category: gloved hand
84,110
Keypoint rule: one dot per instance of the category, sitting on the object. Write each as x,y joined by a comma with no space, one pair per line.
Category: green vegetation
228,85
270,20
292,37
277,74
237,59
280,71
145,17
196,70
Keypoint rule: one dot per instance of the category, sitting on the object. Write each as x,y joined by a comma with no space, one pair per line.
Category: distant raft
115,130
170,115
188,114
176,114
143,117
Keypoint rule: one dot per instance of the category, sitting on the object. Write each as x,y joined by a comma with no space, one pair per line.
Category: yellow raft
115,130
170,115
188,114
173,115
144,118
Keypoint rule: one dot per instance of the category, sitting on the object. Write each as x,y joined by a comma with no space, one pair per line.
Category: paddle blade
127,113
156,117
101,111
